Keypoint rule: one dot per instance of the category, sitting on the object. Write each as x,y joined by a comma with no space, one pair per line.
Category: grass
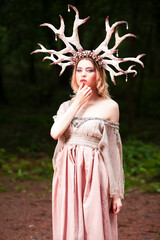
19,168
141,166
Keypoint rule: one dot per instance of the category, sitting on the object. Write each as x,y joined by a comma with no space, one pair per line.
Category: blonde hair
101,84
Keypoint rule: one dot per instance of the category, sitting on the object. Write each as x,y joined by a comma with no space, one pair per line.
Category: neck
94,97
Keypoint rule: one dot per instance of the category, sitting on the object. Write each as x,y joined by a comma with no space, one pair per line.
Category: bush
141,165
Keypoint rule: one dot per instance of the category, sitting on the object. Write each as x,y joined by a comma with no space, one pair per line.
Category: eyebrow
87,67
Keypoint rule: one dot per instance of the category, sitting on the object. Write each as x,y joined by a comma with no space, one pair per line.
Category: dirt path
25,213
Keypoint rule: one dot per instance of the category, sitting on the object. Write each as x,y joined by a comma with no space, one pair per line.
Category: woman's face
86,73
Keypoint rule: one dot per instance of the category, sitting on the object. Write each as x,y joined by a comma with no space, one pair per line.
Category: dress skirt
80,196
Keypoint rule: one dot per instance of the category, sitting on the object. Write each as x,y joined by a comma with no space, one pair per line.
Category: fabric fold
111,149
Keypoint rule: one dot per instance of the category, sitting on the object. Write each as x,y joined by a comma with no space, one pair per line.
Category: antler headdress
102,54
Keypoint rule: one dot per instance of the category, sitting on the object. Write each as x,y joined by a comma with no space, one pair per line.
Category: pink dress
81,189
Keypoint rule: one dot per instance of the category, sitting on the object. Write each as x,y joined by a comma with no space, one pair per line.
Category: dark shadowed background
31,91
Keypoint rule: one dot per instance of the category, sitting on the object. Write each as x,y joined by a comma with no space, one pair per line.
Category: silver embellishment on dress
78,121
116,132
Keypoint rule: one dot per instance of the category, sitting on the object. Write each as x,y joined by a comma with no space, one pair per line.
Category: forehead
85,63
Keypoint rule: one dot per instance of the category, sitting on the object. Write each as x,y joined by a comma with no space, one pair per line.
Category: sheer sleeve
63,107
111,149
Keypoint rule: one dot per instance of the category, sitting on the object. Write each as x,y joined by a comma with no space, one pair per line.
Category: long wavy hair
101,84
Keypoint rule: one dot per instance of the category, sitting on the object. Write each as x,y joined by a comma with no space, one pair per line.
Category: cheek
78,74
93,78
78,78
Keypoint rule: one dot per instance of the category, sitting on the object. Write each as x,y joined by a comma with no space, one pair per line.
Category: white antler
60,57
112,60
74,39
104,56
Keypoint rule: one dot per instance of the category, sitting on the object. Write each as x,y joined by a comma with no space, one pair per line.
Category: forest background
31,91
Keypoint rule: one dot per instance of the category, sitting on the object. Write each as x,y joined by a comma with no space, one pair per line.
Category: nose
83,72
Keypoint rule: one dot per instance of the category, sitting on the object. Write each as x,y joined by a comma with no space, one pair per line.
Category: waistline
82,140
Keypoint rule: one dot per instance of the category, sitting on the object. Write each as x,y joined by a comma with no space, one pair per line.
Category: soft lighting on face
85,73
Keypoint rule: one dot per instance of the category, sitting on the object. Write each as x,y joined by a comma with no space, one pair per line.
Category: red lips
83,81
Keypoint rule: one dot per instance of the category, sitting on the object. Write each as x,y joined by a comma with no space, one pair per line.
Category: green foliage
17,168
142,165
34,91
21,188
3,188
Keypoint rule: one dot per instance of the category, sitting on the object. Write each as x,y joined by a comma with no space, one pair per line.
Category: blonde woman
88,182
88,172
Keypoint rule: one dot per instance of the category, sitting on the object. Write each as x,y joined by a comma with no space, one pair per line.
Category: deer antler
59,57
102,54
108,53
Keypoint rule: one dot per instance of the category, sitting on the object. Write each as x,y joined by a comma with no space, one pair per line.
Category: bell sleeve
63,107
111,149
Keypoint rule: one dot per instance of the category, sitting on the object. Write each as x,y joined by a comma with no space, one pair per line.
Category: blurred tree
41,84
3,53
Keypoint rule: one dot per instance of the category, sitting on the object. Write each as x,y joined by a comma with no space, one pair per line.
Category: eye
90,70
78,70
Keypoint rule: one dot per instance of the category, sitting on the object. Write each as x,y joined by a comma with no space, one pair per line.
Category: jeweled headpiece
104,56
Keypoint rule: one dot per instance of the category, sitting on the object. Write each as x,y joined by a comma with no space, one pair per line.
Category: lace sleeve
111,149
63,107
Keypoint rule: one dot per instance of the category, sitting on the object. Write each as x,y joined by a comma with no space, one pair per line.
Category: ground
25,213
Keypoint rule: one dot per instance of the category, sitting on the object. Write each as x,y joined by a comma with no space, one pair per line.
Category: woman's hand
60,126
116,205
83,94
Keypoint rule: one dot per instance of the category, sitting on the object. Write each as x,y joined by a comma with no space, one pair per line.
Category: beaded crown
87,54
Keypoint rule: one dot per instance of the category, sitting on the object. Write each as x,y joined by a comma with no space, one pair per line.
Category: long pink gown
81,200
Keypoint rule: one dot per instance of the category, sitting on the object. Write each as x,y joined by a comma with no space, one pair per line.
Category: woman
86,195
88,182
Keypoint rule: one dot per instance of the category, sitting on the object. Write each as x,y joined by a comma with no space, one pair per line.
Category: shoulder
111,104
112,108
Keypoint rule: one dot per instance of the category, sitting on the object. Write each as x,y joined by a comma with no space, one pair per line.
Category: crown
105,57
87,54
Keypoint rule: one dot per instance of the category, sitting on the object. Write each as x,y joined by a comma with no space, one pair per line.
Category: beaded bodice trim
78,121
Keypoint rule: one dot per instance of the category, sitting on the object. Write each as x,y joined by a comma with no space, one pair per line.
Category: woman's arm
64,121
114,116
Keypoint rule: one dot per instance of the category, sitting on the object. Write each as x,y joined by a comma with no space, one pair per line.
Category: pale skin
87,103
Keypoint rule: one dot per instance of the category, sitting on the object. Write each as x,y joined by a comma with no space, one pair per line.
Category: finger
114,208
81,86
119,208
88,93
86,89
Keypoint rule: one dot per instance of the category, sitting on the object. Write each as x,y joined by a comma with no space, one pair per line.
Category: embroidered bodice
96,133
